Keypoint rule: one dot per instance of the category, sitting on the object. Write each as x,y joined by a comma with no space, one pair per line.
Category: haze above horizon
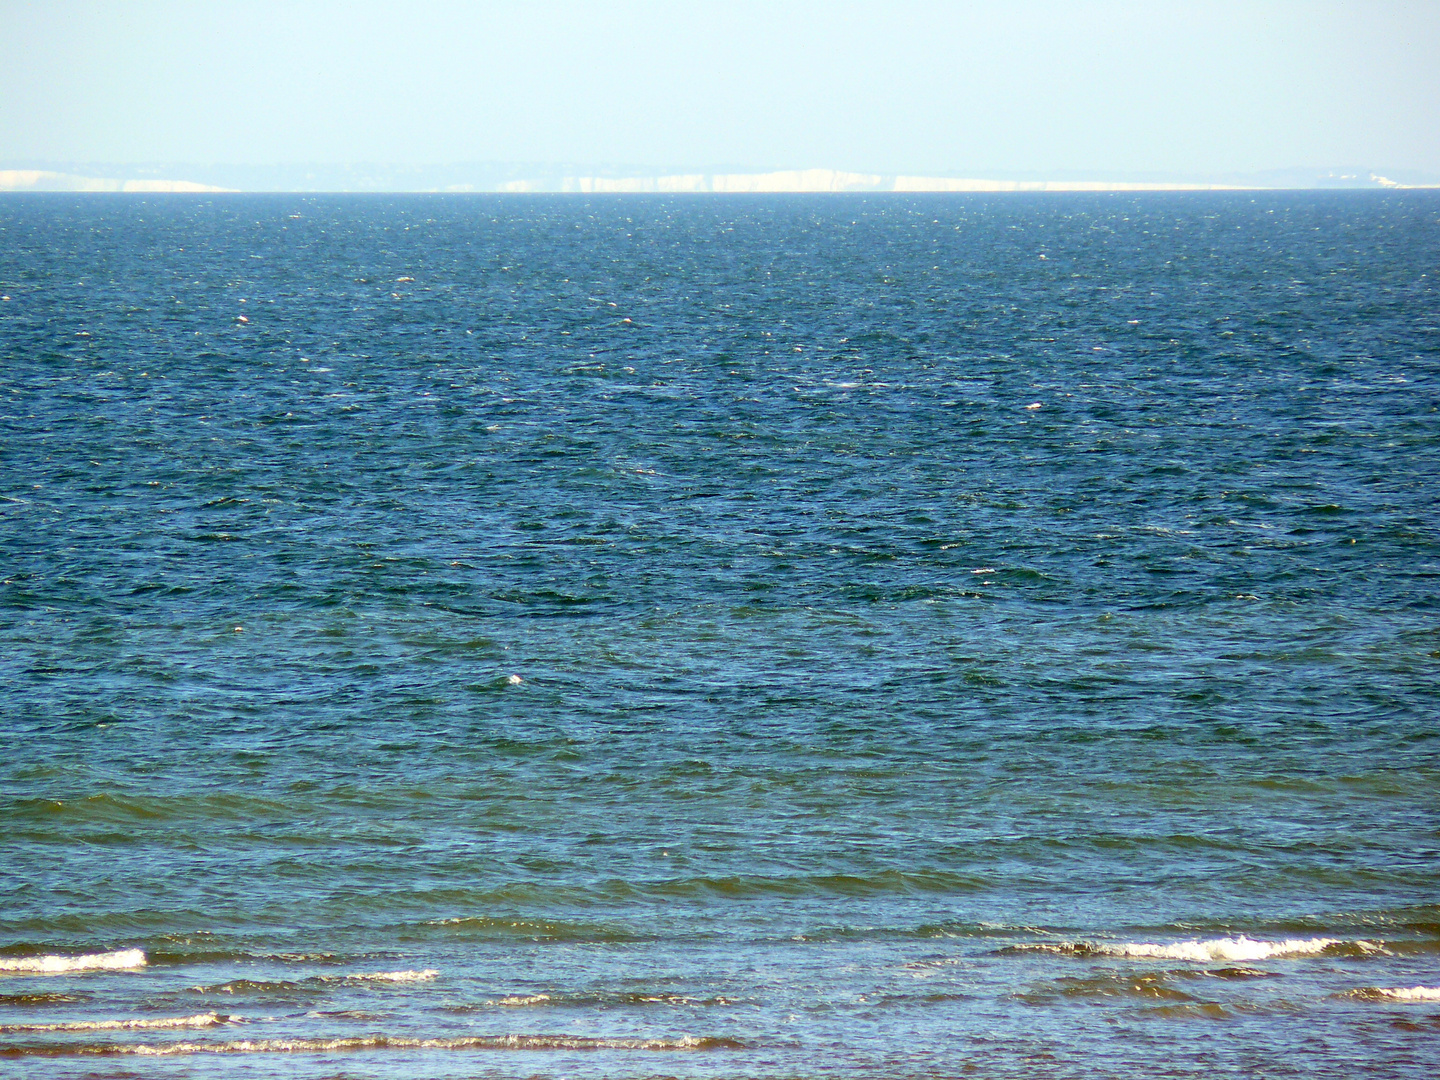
908,88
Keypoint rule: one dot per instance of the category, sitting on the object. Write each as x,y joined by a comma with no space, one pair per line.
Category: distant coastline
517,179
45,180
830,180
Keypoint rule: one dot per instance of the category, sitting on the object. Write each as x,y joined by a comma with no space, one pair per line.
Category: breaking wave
379,1042
314,984
199,1020
600,999
1397,993
122,960
1227,949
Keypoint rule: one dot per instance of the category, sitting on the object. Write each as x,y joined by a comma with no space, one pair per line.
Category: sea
875,636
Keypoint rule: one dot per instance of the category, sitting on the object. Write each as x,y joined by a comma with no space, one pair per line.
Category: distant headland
499,178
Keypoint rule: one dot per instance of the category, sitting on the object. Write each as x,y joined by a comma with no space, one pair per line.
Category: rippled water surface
765,637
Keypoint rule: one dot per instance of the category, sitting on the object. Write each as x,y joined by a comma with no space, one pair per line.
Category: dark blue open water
778,636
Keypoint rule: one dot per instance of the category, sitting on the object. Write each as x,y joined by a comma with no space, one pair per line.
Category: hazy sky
919,87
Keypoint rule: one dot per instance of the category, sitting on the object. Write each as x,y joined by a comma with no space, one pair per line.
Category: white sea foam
123,960
396,976
1399,993
376,1042
518,999
1211,950
1236,948
199,1020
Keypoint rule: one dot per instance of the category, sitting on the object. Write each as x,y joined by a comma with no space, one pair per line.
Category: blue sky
1017,87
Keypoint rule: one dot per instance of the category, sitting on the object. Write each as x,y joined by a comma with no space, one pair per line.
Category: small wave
199,1020
596,1000
122,960
1397,993
1229,949
258,986
485,926
391,976
313,985
1205,1010
169,953
1214,949
41,999
1144,986
381,1042
880,883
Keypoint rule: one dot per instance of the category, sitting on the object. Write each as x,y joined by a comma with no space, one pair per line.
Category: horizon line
785,181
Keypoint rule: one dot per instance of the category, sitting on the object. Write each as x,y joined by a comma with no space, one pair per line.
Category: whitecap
396,976
121,960
1210,950
1235,948
1399,993
199,1020
464,1042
